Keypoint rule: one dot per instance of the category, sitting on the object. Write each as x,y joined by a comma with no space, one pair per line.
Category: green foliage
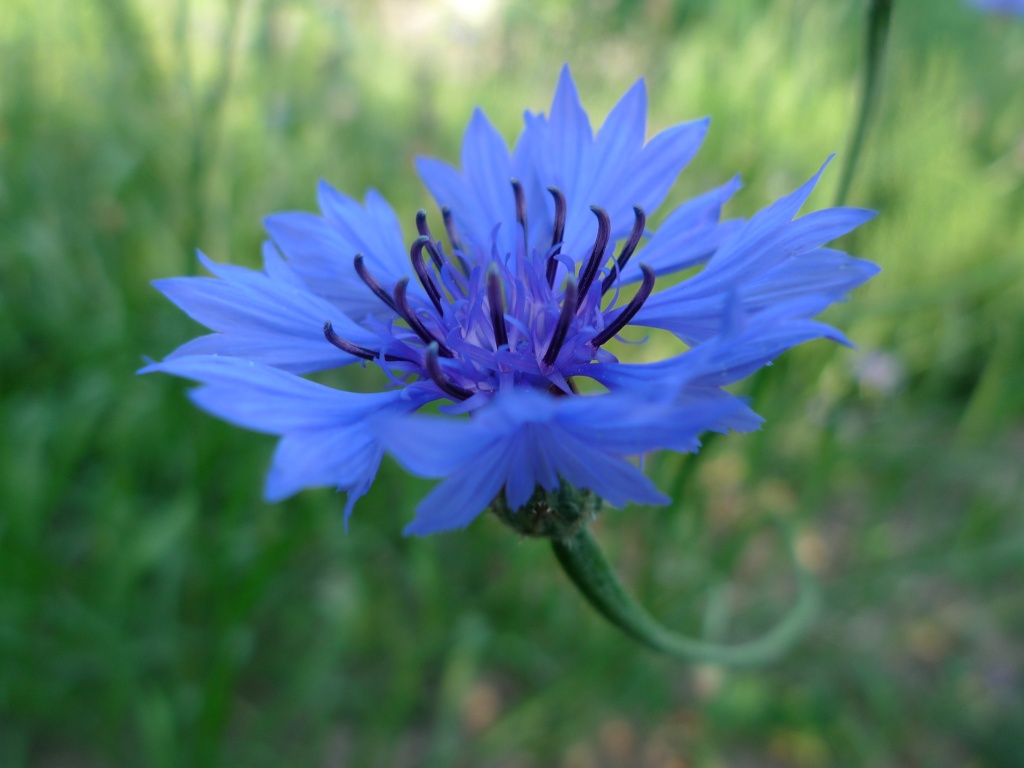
155,613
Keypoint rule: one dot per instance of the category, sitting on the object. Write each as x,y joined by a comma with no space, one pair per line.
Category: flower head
538,262
1005,7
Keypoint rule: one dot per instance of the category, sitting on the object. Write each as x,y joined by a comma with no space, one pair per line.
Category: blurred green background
155,612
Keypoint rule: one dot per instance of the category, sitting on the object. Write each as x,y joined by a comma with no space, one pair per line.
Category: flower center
486,320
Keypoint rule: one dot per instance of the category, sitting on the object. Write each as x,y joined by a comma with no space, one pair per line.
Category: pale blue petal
691,311
661,162
689,236
290,354
521,478
324,260
270,400
822,271
753,241
488,168
371,229
249,308
527,159
340,457
457,500
322,250
326,438
448,188
431,446
585,464
616,148
569,136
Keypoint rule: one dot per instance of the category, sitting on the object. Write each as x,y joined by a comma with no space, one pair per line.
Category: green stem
583,561
879,14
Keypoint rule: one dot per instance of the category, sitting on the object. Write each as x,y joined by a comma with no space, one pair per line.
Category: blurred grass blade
879,15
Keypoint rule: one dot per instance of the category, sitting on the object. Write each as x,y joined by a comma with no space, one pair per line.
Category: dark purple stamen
438,376
497,302
631,309
449,224
404,309
372,284
421,224
435,254
604,230
517,190
639,222
424,230
348,346
453,238
564,320
559,233
423,273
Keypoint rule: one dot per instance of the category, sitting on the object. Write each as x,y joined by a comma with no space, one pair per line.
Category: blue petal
586,465
611,160
431,446
754,240
821,276
790,238
525,438
521,477
290,354
730,356
569,135
345,457
661,161
823,271
266,316
619,141
448,188
771,259
326,439
321,250
637,424
457,501
527,159
371,229
488,169
270,400
689,236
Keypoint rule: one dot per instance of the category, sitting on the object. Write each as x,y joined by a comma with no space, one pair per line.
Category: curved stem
585,564
874,53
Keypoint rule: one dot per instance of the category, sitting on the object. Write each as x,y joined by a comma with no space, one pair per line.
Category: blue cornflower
1006,7
499,319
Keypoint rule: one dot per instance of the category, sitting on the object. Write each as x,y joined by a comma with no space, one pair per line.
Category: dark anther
631,309
564,319
639,222
453,238
517,190
372,284
449,224
438,376
424,230
497,302
604,230
348,346
405,310
423,273
421,224
559,233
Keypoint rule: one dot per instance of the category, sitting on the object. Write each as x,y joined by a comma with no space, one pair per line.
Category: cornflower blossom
546,257
1005,7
